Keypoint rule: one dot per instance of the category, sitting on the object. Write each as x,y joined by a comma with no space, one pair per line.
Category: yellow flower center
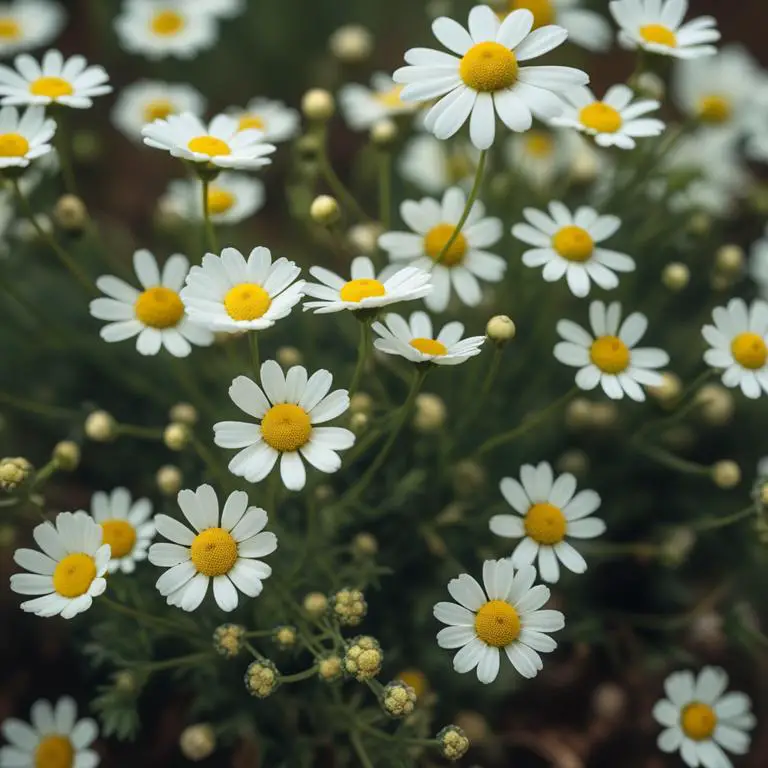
247,301
714,109
286,427
543,11
13,145
497,623
573,243
364,288
545,524
158,109
73,575
214,552
52,87
167,23
658,33
488,67
54,752
749,350
219,200
250,123
209,145
159,307
120,535
436,240
429,346
9,29
539,144
610,354
698,721
600,117
391,98
416,679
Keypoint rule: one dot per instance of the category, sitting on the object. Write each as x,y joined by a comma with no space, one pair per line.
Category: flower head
348,606
362,106
262,678
24,138
228,640
221,548
28,24
398,699
363,658
453,742
232,198
273,118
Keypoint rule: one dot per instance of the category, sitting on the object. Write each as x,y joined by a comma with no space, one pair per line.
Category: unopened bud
384,133
169,480
500,329
315,604
361,402
358,423
453,742
574,461
100,426
318,105
726,474
578,414
70,213
66,455
365,545
676,276
669,390
430,412
288,357
176,436
604,415
468,478
650,85
351,44
197,742
184,413
364,238
325,210
716,404
700,223
730,259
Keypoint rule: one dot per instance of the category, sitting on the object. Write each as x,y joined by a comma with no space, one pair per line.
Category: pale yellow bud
453,742
197,742
609,701
317,104
361,402
651,86
574,461
364,238
604,415
261,678
726,474
500,329
468,477
285,637
315,604
384,133
359,422
676,276
716,404
719,281
398,699
325,210
13,473
365,545
351,44
176,436
184,413
700,223
585,165
363,658
70,213
578,414
669,390
329,668
169,480
101,427
289,356
730,259
430,412
125,681
67,455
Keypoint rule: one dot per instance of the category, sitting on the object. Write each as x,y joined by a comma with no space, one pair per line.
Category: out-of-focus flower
28,24
434,165
24,138
362,106
232,198
758,264
273,118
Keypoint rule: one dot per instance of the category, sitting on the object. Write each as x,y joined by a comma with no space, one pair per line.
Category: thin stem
357,745
299,676
208,459
210,233
362,355
715,523
345,197
167,624
143,433
53,411
62,144
490,377
385,189
181,661
253,342
44,473
467,208
672,461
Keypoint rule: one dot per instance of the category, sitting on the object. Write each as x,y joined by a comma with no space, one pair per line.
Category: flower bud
325,210
365,545
358,423
574,461
361,402
398,699
101,427
70,213
351,44
324,492
349,606
669,390
730,259
468,478
318,105
650,85
384,133
184,413
176,436
261,678
585,165
726,474
66,454
285,637
125,682
700,223
197,742
453,742
13,472
364,238
169,480
716,404
609,701
315,604
228,640
604,415
329,668
578,414
288,357
500,329
363,658
676,276
430,412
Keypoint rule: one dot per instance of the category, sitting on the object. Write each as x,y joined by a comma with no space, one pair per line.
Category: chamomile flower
229,294
758,264
28,24
739,345
125,526
220,8
701,720
364,291
541,155
71,83
160,28
549,512
232,198
505,616
585,28
221,143
434,165
567,244
614,121
609,357
288,408
459,268
220,548
155,314
486,78
363,106
54,738
414,340
24,138
657,26
145,101
69,572
273,118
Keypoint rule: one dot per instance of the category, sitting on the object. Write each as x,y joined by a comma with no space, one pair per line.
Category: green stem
210,233
357,745
169,625
253,342
672,461
63,146
385,189
208,459
42,475
490,377
345,197
362,355
467,208
299,676
52,411
143,433
716,523
181,661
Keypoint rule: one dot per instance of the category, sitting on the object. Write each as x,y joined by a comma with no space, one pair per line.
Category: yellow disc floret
497,623
286,427
363,288
659,34
437,238
158,109
214,552
574,244
120,535
698,721
543,10
209,145
249,122
54,752
159,307
247,301
391,98
219,200
488,67
9,29
545,524
715,108
13,145
429,346
600,117
52,87
167,23
74,574
750,350
610,354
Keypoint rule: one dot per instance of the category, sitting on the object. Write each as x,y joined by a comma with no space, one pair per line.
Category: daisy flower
585,28
364,291
221,8
71,83
657,26
69,572
156,314
433,224
26,138
54,738
228,293
273,118
219,548
220,143
610,358
363,106
27,24
161,28
504,616
486,77
414,340
288,408
739,345
701,720
145,101
613,122
549,511
758,264
125,526
232,198
567,244
434,165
